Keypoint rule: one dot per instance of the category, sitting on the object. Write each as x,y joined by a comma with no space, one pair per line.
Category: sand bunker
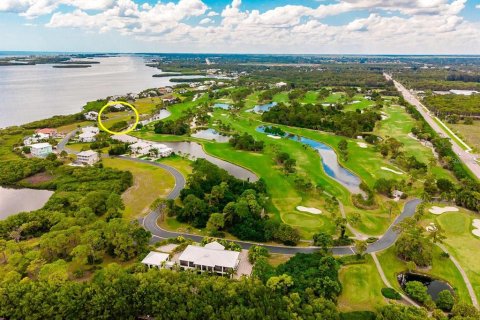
439,210
391,170
309,210
274,137
362,145
431,227
476,225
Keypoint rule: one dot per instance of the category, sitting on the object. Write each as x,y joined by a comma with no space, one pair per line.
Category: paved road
467,158
62,144
150,223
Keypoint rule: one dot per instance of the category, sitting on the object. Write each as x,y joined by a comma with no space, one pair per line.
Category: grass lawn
149,183
362,287
147,105
70,127
442,268
181,164
461,243
281,97
452,136
310,97
177,109
6,146
470,133
276,259
399,125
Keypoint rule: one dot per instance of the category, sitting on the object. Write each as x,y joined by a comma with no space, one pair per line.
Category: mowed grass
362,287
70,127
470,133
442,268
461,243
149,184
398,125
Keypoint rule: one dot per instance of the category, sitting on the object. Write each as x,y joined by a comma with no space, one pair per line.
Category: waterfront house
169,99
52,133
41,150
88,157
211,258
87,137
35,138
140,148
91,129
160,150
157,260
91,115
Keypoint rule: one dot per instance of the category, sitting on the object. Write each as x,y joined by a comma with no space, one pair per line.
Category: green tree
323,240
417,291
215,222
445,300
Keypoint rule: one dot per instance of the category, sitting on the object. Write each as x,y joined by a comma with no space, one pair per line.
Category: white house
160,150
35,138
140,148
280,84
91,115
86,137
211,258
88,157
41,150
91,129
156,260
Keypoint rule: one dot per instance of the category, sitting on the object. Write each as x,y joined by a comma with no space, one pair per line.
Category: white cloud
206,21
411,26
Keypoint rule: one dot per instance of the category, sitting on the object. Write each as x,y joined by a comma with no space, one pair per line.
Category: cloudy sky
242,26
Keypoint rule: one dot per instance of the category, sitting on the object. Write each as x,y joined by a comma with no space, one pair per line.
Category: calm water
211,134
434,287
263,107
195,150
29,93
330,163
224,106
12,201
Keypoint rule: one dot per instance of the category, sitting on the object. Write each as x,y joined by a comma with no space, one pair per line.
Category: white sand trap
362,145
431,227
274,137
437,210
476,224
309,210
391,170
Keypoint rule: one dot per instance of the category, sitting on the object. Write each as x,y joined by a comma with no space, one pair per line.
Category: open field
461,243
70,127
362,287
452,134
150,183
470,133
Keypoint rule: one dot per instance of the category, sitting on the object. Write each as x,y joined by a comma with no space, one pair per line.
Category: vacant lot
149,183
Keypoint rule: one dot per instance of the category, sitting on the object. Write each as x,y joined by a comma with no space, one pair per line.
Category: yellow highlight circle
111,103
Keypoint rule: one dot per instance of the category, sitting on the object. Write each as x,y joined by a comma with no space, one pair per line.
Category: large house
157,260
142,148
91,115
52,133
89,157
211,258
35,138
41,150
88,134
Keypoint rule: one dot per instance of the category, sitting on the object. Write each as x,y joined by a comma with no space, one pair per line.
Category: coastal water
34,92
12,201
330,163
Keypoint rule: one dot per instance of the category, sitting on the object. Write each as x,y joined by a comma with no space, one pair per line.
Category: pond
262,108
434,286
211,134
224,106
13,201
330,163
195,150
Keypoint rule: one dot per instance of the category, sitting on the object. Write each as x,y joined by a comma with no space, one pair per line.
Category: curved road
150,223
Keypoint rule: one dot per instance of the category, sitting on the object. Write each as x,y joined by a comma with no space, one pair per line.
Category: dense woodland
438,79
325,118
444,105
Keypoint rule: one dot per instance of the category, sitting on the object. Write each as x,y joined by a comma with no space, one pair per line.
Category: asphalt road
62,144
150,223
467,158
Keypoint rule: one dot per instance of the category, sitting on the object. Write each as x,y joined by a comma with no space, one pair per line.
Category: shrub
445,300
391,293
417,291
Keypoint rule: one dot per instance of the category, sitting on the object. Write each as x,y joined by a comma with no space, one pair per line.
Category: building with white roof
156,260
41,150
160,150
280,84
211,258
89,157
35,138
140,148
86,137
91,115
91,129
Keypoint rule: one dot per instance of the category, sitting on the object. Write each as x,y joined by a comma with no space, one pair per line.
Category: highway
467,158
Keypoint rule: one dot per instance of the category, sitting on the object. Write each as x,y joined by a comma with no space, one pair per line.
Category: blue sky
243,26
